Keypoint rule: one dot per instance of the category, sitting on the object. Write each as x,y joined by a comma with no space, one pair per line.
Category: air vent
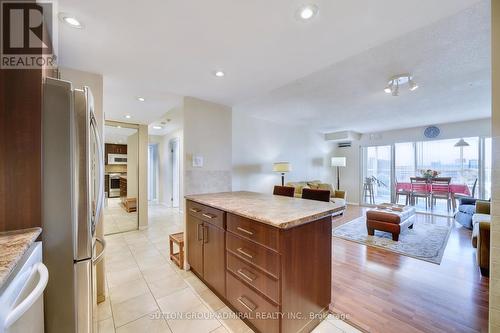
344,144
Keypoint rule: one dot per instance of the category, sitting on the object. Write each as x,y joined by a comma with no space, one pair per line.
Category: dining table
454,188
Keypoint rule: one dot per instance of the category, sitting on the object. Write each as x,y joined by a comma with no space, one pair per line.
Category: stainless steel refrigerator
73,194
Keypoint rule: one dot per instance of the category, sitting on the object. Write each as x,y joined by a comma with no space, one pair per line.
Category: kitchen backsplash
118,168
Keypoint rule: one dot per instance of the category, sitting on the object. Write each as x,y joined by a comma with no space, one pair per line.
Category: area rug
426,241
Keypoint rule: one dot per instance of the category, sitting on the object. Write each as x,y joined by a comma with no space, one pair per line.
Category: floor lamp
282,167
338,162
462,143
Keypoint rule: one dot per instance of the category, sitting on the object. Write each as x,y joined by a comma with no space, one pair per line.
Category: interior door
213,257
195,244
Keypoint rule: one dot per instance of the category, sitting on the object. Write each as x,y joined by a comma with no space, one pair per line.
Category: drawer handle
245,231
250,308
208,216
198,232
195,210
205,232
245,275
243,252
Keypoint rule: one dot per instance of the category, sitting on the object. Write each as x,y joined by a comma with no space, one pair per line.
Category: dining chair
400,192
319,195
286,191
419,189
440,189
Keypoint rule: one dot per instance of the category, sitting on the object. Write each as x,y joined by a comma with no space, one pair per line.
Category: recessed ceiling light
219,73
71,20
128,116
307,12
140,99
157,127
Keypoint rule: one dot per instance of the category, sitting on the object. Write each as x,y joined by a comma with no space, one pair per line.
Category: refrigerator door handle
100,256
100,192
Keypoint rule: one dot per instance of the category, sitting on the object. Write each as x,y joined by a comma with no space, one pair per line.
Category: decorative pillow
325,186
314,184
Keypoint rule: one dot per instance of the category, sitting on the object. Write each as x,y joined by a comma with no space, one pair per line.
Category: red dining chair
287,191
419,189
401,191
319,195
440,189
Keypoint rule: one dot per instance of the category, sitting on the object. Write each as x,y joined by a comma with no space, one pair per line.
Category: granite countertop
13,245
278,211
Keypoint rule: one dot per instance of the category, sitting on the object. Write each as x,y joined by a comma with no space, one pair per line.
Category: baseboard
353,203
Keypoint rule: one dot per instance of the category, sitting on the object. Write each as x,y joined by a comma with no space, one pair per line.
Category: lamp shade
282,167
339,161
462,143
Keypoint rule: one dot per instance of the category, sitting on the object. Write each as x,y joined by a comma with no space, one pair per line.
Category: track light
397,80
413,85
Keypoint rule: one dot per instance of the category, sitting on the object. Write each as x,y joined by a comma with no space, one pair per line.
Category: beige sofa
481,235
338,197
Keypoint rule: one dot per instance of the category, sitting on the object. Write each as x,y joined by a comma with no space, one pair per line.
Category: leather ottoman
390,218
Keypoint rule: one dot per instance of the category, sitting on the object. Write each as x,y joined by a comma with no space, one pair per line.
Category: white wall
351,175
132,165
494,300
257,144
207,132
165,165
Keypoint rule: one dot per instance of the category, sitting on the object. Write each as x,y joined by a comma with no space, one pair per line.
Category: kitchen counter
13,245
266,255
278,211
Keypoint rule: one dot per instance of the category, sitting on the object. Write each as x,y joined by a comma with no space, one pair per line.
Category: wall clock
432,132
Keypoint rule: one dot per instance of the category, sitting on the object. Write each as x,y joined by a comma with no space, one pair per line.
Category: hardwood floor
382,291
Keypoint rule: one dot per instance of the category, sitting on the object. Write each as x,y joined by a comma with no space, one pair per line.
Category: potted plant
429,173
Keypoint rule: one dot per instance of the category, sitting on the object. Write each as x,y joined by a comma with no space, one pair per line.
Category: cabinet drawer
254,307
258,255
254,277
205,213
258,232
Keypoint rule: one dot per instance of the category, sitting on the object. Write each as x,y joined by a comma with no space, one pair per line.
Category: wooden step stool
178,257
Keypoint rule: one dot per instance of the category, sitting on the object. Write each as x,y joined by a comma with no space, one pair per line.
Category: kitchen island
268,257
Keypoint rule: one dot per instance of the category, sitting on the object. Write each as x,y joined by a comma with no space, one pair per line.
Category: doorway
175,176
153,172
121,177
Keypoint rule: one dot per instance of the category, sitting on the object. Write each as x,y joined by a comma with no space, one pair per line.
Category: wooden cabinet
213,257
206,245
276,278
195,244
111,148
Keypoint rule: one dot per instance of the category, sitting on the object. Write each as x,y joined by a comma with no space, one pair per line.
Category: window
469,164
404,161
377,172
459,163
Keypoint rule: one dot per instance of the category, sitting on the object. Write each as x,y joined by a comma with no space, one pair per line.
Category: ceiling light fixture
157,127
70,20
398,80
219,73
128,116
141,99
307,12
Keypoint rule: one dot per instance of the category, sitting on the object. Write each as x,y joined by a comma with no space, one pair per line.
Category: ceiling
170,122
117,135
450,61
165,49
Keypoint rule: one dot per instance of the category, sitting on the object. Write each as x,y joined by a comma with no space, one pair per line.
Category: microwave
117,158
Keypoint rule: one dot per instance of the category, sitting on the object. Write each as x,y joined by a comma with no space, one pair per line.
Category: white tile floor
142,283
116,218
